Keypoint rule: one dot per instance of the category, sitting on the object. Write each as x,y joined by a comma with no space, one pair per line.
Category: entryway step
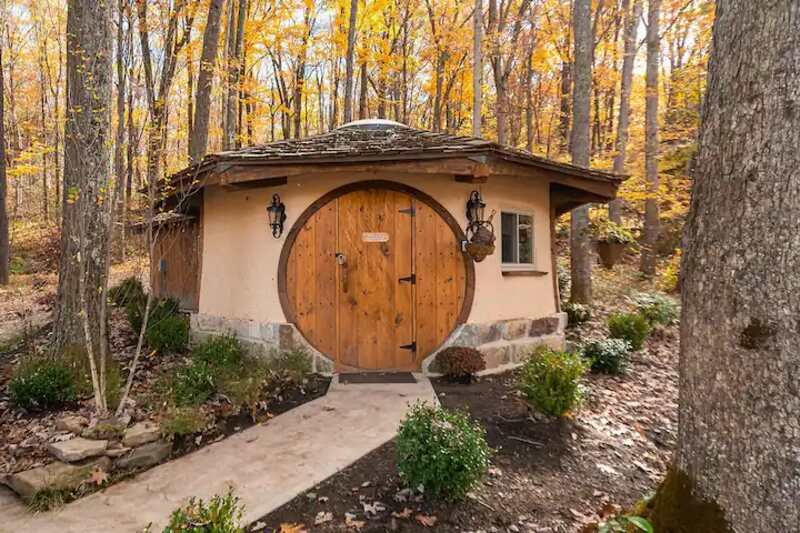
376,377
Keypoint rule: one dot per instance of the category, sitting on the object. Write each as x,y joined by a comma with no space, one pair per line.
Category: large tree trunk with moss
737,466
580,246
87,168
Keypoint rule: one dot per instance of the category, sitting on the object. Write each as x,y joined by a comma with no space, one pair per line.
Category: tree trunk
736,465
87,157
580,245
564,105
626,82
477,68
119,143
198,144
232,79
648,260
362,96
4,244
351,50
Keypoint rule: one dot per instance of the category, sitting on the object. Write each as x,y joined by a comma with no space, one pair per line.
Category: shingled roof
381,140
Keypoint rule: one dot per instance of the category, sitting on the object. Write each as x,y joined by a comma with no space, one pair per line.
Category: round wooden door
375,279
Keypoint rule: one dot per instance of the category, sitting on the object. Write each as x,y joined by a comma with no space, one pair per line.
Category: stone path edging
266,465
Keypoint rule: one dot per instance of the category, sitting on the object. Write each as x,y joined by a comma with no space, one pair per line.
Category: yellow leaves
292,528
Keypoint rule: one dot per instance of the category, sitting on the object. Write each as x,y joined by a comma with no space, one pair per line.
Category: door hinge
410,211
412,279
412,346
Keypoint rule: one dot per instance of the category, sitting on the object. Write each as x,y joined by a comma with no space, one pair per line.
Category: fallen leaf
350,521
373,508
426,520
404,514
98,476
322,517
293,528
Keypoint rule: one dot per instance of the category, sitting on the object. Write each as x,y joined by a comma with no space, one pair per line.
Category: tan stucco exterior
240,256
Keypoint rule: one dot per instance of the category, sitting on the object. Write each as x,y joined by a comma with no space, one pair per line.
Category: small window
516,230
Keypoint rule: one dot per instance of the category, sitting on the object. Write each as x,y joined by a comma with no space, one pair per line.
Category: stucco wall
240,256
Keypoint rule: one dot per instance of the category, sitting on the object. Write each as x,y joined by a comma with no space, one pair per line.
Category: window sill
529,272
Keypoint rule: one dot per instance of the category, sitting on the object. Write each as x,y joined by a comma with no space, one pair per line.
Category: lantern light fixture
276,212
475,209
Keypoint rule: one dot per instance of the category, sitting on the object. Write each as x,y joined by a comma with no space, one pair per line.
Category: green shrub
460,362
223,514
192,384
42,383
577,313
293,366
626,524
181,421
550,380
632,327
170,334
243,389
657,308
221,351
443,451
160,308
608,355
129,290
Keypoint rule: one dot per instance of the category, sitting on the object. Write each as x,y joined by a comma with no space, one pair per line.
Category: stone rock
324,365
145,456
496,356
77,449
515,329
108,429
544,326
141,433
116,449
72,423
56,475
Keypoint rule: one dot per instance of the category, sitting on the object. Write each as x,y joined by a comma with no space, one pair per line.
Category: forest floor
547,475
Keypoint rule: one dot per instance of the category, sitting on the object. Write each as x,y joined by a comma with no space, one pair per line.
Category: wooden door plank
325,279
426,272
403,292
349,215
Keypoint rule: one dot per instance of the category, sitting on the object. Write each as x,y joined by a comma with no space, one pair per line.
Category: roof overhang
570,186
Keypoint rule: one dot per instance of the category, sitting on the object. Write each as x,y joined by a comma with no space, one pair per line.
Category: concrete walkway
266,465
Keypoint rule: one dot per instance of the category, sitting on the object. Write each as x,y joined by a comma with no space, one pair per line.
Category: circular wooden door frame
291,237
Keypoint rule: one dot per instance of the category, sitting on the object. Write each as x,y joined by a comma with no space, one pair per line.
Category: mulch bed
546,474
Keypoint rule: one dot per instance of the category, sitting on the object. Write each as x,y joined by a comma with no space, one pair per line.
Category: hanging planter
611,241
480,232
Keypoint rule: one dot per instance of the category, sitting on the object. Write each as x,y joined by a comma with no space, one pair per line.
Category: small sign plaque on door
375,237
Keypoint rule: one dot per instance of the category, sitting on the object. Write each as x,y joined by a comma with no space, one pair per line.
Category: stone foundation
505,344
260,340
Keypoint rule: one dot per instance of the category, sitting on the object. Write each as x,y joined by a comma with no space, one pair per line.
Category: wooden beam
468,178
256,184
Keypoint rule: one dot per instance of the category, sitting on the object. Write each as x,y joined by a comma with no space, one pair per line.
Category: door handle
341,259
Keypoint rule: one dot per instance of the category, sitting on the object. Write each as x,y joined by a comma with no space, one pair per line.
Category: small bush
460,362
243,390
443,451
657,308
170,334
129,290
192,384
182,421
220,351
159,310
577,313
223,514
632,327
292,366
550,381
669,279
42,383
609,356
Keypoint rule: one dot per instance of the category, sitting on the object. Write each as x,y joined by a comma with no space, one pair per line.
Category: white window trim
519,267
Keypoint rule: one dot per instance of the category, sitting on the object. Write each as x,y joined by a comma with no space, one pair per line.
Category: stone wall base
505,344
260,339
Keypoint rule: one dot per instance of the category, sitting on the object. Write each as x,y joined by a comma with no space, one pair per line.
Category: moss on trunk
676,509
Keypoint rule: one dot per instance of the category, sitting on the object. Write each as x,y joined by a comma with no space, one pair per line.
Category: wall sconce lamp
475,209
276,212
480,232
